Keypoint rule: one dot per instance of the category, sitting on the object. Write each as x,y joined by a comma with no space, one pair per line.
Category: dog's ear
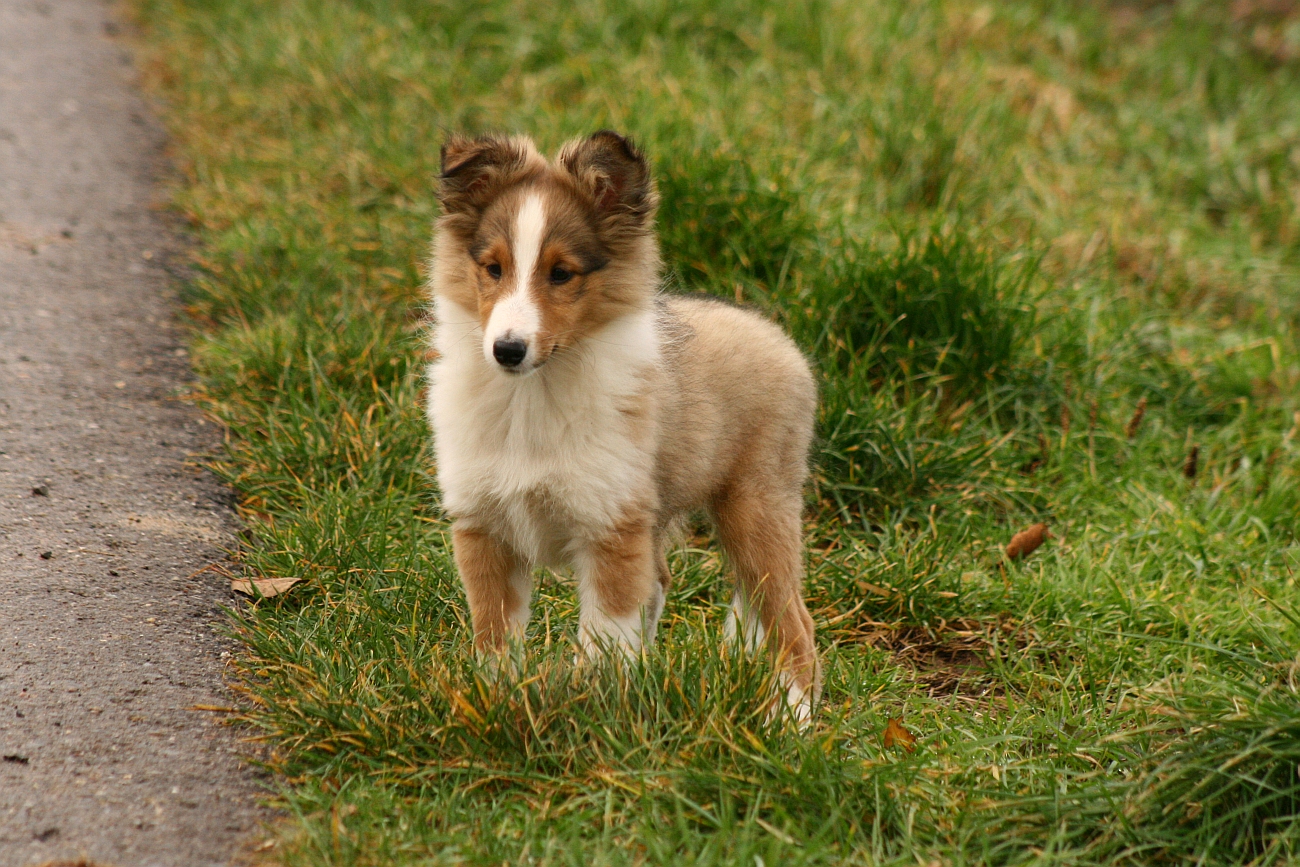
614,172
474,170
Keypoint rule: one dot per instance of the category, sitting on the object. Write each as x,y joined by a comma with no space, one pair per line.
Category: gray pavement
108,625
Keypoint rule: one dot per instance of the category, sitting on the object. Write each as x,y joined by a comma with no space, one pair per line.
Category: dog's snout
509,351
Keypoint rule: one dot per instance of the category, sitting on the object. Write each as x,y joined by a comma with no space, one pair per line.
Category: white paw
599,633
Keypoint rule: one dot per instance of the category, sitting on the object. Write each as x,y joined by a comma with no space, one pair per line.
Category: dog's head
545,252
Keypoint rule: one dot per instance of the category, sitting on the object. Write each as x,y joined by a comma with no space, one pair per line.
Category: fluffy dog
579,414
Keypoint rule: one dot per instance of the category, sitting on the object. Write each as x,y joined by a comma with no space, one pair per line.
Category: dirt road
107,625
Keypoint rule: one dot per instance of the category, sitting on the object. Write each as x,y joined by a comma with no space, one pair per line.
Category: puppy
579,415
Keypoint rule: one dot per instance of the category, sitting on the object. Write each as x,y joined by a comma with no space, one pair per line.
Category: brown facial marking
494,271
595,294
492,249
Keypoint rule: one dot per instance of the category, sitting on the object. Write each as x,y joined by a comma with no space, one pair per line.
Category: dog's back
737,409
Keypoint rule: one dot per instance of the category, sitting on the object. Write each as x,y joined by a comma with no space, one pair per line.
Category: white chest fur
550,460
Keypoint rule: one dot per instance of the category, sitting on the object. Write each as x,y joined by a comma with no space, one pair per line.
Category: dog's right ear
474,170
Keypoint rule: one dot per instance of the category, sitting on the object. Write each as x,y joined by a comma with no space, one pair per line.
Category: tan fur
489,571
624,564
741,414
718,418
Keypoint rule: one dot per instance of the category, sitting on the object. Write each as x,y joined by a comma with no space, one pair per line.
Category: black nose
509,352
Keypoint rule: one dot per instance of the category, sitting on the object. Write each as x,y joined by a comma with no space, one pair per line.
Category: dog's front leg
498,585
619,587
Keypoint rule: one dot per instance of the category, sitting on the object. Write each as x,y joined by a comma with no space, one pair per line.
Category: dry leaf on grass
1027,541
262,587
896,734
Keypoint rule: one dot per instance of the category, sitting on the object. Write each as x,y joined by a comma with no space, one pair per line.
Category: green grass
994,228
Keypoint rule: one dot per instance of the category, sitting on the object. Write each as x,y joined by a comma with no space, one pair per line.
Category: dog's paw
793,701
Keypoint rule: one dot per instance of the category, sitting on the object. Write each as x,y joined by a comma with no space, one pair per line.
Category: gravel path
107,623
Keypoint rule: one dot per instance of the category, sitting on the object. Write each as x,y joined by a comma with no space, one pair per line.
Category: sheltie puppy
579,415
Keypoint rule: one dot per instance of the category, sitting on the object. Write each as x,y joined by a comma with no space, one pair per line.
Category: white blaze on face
515,315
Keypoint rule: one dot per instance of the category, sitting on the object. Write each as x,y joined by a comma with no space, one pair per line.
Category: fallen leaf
262,588
1027,541
896,734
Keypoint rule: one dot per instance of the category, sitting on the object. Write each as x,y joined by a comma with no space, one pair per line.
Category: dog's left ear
614,172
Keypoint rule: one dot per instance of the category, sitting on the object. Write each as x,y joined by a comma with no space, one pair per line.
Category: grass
997,230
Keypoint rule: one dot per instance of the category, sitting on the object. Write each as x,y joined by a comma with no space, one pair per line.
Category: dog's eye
560,275
494,271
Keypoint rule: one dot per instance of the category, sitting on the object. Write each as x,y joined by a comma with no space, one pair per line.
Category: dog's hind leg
763,539
620,586
498,585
